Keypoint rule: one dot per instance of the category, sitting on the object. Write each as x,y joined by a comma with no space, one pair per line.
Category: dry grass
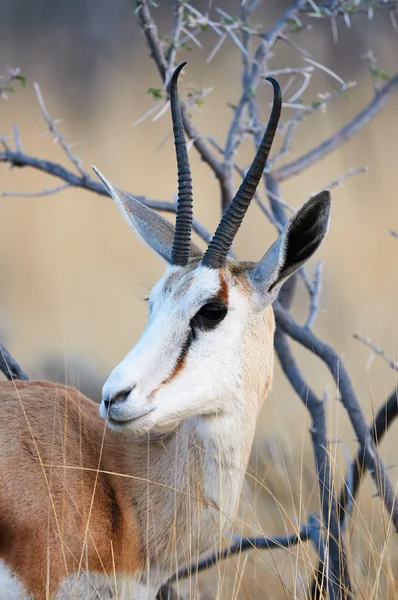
274,501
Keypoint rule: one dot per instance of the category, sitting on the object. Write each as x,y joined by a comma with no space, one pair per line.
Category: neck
193,479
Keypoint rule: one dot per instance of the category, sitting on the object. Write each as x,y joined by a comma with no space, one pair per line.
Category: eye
209,316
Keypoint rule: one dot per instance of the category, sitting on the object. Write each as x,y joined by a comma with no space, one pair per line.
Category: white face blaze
177,371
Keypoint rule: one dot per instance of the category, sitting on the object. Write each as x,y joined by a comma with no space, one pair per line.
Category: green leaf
380,74
316,104
229,20
21,79
156,93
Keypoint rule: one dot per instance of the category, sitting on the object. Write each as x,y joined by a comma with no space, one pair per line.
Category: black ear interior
306,232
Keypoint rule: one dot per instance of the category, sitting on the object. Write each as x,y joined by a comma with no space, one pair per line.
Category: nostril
119,397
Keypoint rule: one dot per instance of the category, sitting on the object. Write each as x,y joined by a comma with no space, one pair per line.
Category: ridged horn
216,253
182,237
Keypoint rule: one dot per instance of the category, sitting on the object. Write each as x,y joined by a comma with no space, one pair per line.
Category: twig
58,137
151,35
385,416
315,296
337,576
267,543
17,137
341,137
350,402
252,71
10,367
177,27
377,350
19,159
350,173
5,82
45,192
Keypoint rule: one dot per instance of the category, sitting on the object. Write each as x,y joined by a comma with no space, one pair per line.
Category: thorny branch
336,575
58,137
350,402
332,572
342,136
150,31
377,350
20,159
384,418
7,81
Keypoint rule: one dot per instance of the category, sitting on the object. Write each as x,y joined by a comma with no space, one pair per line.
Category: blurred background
73,276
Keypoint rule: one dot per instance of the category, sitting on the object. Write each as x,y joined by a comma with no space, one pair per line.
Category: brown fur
52,491
45,508
223,292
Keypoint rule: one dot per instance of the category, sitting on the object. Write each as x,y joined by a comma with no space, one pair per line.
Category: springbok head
207,348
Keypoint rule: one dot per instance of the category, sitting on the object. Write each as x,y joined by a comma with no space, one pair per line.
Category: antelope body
110,503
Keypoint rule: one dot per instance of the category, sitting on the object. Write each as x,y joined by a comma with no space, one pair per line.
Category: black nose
116,398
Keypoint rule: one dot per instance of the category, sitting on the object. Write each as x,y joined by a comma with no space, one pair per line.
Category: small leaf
156,93
380,74
21,79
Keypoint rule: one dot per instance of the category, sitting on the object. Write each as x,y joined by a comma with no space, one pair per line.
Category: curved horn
219,246
182,236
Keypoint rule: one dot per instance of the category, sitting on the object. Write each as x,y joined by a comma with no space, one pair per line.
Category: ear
156,231
299,240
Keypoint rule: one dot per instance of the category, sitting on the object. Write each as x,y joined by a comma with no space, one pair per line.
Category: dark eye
209,315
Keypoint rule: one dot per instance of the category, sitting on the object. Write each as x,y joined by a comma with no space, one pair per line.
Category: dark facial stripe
180,364
222,295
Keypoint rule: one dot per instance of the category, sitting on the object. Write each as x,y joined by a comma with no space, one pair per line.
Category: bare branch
377,350
350,402
58,137
19,159
342,136
350,173
337,574
5,82
385,416
315,296
252,71
267,543
150,30
17,137
10,367
45,192
177,28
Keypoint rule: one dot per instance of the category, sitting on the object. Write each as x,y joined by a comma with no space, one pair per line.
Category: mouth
120,424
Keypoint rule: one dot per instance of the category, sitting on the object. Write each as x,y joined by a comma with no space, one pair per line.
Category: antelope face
189,358
210,326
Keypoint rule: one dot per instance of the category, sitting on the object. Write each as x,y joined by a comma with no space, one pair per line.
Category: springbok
110,507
